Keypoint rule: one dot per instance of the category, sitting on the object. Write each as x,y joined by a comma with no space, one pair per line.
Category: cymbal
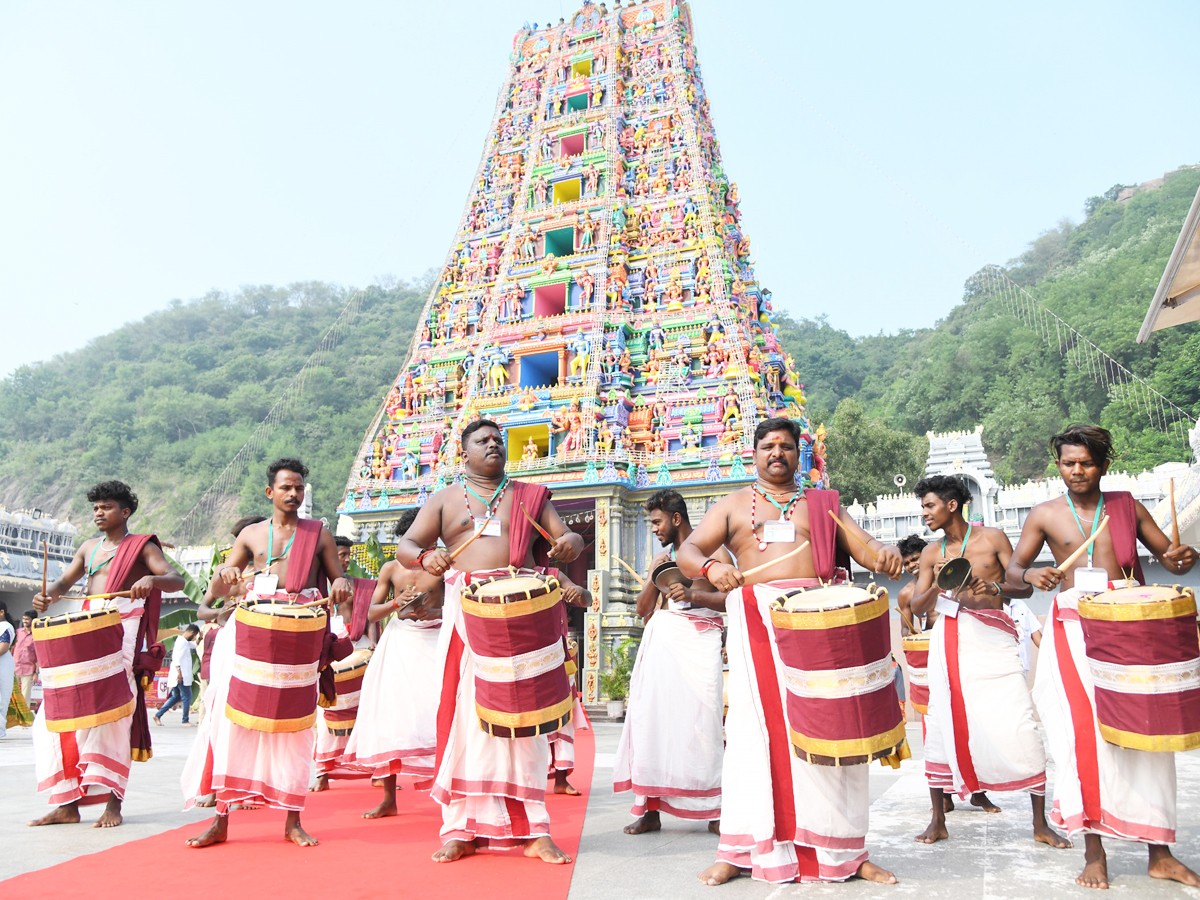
667,574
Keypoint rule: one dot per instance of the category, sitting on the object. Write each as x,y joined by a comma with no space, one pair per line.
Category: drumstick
110,596
850,534
632,571
751,572
45,565
322,602
542,531
1175,519
467,543
1082,548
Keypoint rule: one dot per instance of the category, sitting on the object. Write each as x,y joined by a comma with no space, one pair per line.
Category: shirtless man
115,561
293,556
998,707
910,554
1133,787
758,524
489,510
675,694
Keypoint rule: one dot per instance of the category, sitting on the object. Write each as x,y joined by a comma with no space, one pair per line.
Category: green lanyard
92,558
271,560
1079,522
671,552
962,550
784,508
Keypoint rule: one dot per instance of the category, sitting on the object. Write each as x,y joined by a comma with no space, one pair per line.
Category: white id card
266,584
779,532
491,527
1091,581
337,624
947,607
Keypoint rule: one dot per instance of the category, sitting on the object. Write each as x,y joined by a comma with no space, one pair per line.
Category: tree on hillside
864,454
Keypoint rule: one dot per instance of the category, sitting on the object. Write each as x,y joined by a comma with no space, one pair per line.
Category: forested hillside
166,402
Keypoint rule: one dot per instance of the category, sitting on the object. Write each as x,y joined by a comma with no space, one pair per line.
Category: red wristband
708,564
421,557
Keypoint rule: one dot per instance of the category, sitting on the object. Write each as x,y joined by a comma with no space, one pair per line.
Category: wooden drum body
1144,659
83,672
516,629
835,645
347,680
277,649
916,657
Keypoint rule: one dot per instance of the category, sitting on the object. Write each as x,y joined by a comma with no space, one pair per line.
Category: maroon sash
147,653
364,589
1120,508
822,532
521,536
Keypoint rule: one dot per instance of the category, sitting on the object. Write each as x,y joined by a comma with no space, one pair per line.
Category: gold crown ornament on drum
347,681
1144,658
835,645
516,629
277,651
84,677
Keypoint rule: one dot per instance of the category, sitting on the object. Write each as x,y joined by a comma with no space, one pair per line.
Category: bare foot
934,833
649,822
546,850
293,831
562,786
61,815
1094,874
981,800
206,802
719,873
383,810
947,803
868,871
216,833
1164,865
714,826
454,850
1044,834
111,817
321,784
156,720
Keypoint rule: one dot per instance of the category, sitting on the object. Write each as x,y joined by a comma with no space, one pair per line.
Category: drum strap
1083,723
958,707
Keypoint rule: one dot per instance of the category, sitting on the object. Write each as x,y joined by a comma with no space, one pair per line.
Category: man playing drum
676,700
980,730
782,817
492,789
396,732
1101,789
292,558
91,764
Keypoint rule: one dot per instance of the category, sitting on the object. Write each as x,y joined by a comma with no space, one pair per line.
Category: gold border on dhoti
269,725
247,616
524,719
82,625
852,747
510,610
1146,611
1155,743
62,726
819,619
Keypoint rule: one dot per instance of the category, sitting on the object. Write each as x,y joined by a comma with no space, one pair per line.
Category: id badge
337,624
947,607
491,527
1091,580
779,532
266,584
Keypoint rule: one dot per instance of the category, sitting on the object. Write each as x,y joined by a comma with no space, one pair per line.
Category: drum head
359,657
835,596
515,587
1145,593
667,574
954,574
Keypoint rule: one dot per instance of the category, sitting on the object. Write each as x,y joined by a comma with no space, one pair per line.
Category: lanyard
962,551
271,560
785,511
490,507
1079,522
91,559
671,553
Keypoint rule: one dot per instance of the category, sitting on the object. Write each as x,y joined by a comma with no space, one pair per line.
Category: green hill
166,402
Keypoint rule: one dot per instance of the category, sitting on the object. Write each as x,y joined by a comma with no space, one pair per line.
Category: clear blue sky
884,151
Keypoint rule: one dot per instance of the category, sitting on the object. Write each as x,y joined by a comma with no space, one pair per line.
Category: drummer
758,524
1134,788
975,665
675,696
489,511
910,554
259,768
115,561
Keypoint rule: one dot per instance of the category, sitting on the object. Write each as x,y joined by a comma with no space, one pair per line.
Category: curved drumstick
1174,518
540,530
1082,548
749,572
632,571
850,534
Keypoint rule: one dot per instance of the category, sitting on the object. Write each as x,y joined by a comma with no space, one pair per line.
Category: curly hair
118,491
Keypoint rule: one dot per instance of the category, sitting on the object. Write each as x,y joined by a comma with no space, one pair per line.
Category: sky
884,152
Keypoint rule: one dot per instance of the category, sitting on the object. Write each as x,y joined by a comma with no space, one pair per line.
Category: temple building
599,302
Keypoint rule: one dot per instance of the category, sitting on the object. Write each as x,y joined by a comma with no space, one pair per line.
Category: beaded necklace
786,510
490,507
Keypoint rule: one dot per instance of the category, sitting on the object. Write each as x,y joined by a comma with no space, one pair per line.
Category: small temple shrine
599,302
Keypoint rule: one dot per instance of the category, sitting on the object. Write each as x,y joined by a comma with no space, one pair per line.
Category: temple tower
598,302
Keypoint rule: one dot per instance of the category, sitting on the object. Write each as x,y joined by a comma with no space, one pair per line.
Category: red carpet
356,858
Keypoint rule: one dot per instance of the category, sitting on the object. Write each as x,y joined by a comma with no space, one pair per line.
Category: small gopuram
598,302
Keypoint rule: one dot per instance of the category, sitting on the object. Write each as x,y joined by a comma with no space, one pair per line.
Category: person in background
180,677
24,656
8,635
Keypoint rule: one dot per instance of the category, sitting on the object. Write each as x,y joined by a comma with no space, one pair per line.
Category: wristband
421,557
1024,572
999,589
708,564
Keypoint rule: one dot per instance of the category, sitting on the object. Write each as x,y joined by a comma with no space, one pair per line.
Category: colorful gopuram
599,302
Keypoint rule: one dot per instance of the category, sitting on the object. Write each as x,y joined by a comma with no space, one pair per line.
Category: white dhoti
1099,788
980,731
396,729
782,818
87,765
672,744
490,788
562,742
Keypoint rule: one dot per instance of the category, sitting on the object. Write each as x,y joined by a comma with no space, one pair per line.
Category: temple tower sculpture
598,302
